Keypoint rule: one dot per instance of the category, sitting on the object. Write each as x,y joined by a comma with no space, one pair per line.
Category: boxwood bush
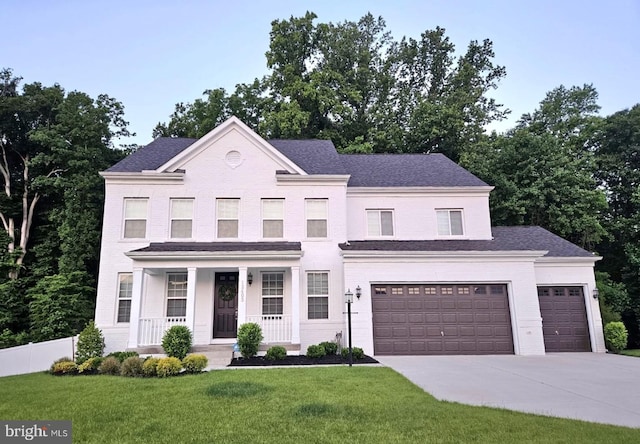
357,353
110,366
132,367
330,347
194,363
316,351
276,353
249,338
615,336
176,342
169,366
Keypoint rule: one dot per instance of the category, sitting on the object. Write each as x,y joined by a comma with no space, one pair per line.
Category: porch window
379,223
272,293
176,295
227,212
316,214
273,218
181,218
125,290
449,222
135,218
318,295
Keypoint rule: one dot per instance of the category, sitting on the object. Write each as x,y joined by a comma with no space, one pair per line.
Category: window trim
263,218
218,218
307,219
380,211
325,296
263,296
172,218
449,211
125,218
166,295
119,298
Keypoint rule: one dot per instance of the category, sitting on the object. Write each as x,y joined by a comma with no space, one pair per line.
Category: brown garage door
441,319
564,319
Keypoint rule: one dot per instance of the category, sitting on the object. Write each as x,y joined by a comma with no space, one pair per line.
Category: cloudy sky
151,54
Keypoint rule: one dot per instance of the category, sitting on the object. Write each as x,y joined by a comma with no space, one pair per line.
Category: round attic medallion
233,158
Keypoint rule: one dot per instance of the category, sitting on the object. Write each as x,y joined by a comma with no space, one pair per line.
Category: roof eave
482,190
458,254
212,255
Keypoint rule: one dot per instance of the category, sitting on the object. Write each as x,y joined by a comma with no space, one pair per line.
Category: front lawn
634,352
297,405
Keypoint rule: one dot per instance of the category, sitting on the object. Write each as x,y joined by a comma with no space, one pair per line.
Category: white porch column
295,305
136,305
191,298
242,295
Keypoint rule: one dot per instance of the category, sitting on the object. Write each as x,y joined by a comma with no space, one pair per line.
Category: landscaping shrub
169,366
276,353
176,342
249,338
121,356
132,367
90,366
330,347
63,366
149,366
615,335
194,363
357,352
110,366
316,351
90,343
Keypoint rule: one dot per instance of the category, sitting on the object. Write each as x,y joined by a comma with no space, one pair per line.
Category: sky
152,54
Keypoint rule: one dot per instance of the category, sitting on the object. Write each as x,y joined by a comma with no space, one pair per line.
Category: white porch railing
275,328
152,329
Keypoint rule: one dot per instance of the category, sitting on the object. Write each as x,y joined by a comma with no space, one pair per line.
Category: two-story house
231,228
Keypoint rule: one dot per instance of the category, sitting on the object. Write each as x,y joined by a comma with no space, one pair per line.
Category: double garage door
441,319
431,319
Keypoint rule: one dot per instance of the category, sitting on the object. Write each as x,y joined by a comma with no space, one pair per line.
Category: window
125,290
272,293
135,218
318,295
316,214
449,222
272,217
228,217
380,222
176,295
181,218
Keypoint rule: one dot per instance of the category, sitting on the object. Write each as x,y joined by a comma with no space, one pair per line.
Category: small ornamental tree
249,338
615,335
176,342
90,343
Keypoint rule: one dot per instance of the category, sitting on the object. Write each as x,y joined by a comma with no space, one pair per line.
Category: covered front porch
214,292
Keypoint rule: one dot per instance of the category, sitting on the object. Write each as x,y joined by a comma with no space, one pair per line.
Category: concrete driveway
588,386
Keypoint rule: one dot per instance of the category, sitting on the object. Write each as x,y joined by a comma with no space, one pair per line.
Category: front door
225,312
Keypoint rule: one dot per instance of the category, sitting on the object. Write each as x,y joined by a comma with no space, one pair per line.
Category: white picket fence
35,356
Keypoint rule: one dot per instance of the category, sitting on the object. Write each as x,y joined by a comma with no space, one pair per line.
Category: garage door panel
564,319
442,319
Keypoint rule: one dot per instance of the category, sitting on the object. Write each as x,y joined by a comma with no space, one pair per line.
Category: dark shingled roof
152,156
321,157
313,156
521,238
170,247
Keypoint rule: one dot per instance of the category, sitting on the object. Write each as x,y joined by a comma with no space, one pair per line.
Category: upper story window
135,218
380,223
125,290
316,215
227,214
273,218
450,222
272,293
181,218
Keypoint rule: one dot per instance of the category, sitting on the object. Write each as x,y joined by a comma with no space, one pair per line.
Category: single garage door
564,319
433,319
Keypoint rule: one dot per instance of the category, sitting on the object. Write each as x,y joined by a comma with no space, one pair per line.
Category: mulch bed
298,360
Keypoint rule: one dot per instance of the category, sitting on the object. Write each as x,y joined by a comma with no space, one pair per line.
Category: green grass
298,405
635,353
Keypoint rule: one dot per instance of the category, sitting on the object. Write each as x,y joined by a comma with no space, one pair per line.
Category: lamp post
348,299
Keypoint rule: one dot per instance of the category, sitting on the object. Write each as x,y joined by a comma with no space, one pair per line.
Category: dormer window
450,222
379,223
